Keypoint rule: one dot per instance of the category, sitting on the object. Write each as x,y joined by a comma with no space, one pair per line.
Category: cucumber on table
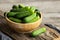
29,18
38,32
15,19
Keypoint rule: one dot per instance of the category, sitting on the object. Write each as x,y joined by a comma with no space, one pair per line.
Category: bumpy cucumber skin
32,9
10,14
34,19
27,7
23,14
15,20
38,32
29,18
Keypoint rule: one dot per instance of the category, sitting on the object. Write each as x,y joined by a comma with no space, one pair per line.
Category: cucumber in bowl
23,14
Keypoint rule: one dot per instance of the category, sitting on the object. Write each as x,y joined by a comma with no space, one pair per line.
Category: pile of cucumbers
23,14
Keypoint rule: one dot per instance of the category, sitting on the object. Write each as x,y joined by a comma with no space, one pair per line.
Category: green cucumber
15,19
38,32
29,18
27,7
17,10
23,14
10,14
34,19
32,9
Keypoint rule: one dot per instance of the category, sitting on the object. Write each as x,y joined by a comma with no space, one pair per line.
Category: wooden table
51,14
4,27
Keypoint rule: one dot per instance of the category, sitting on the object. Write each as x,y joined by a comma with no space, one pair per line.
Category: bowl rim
22,23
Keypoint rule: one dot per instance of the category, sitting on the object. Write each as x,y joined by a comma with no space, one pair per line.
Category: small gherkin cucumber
27,7
38,32
34,19
23,14
18,10
32,9
10,14
29,18
15,19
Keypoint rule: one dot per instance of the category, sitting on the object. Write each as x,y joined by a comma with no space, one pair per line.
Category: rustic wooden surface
49,9
4,27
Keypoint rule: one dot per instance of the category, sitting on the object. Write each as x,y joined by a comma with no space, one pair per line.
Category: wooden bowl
23,27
